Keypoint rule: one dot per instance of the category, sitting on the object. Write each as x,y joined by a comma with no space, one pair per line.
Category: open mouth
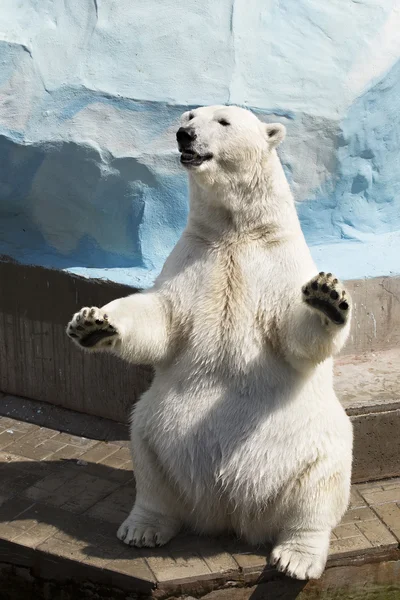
190,158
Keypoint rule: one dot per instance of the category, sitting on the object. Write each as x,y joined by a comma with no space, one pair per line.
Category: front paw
90,328
326,294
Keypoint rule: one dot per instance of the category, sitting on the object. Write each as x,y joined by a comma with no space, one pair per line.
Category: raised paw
326,294
90,328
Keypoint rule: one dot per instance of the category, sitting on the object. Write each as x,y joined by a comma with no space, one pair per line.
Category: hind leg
314,509
298,522
154,518
300,553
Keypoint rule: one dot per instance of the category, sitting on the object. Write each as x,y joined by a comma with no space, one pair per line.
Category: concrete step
368,386
62,497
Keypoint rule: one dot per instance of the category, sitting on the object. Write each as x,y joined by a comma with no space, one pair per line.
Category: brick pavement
62,497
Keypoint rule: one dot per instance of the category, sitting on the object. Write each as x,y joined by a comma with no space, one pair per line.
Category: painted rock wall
90,93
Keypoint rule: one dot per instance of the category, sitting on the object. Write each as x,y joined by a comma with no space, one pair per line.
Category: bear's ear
276,133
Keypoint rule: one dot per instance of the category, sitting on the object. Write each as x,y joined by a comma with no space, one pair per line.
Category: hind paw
297,564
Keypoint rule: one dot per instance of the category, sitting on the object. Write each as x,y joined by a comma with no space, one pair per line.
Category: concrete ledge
63,496
369,388
370,581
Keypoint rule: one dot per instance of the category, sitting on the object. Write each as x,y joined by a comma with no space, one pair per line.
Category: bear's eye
223,122
191,116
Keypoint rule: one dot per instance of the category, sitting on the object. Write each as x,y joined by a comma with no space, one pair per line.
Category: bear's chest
224,309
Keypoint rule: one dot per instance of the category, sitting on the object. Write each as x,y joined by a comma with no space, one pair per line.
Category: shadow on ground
81,506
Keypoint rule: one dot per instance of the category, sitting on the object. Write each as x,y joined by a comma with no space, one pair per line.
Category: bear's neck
261,205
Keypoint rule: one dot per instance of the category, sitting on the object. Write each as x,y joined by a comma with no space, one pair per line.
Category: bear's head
220,141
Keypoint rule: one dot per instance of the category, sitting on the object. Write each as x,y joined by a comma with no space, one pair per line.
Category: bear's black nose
185,137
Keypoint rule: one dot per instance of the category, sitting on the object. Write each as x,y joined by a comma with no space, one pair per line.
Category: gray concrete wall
39,362
376,316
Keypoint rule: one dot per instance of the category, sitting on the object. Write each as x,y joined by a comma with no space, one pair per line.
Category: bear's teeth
189,155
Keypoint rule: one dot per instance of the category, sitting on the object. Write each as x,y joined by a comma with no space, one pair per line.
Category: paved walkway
62,498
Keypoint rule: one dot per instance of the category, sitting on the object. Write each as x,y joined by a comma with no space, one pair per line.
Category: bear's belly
215,438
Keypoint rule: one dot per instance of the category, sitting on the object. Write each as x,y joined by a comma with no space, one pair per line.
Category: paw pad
91,328
325,293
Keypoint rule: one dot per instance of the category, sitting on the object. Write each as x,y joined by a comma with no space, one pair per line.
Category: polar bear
241,429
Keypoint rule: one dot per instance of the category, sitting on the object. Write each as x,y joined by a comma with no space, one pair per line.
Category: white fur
241,429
